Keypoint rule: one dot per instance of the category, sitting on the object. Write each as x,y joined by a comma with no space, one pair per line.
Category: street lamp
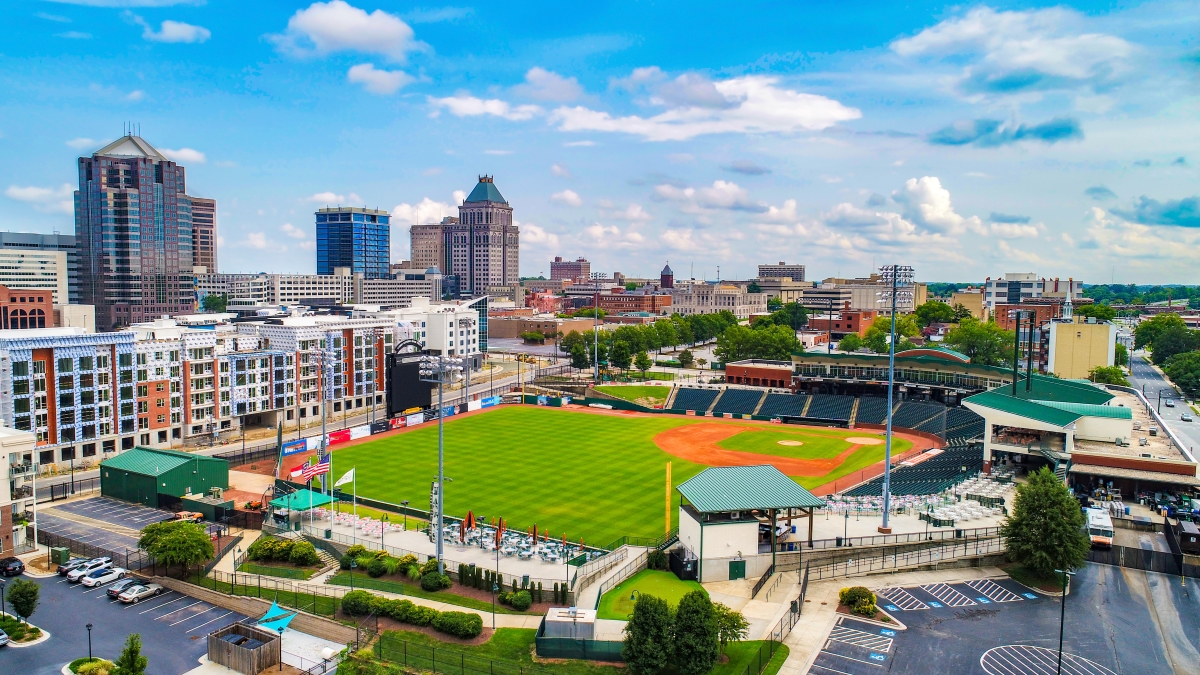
468,324
2,611
442,370
1066,575
899,279
404,503
495,587
89,628
383,521
353,564
281,649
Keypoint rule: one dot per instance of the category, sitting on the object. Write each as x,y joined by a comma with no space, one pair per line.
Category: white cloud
567,197
82,143
579,144
927,203
426,212
334,198
681,157
545,85
293,231
633,213
755,105
464,105
459,196
1021,50
1135,245
184,155
498,152
603,236
533,235
171,31
327,27
256,240
720,195
775,214
52,200
560,170
1014,230
308,245
378,81
1019,255
135,95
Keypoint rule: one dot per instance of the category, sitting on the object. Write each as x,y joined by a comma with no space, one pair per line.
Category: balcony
17,470
23,492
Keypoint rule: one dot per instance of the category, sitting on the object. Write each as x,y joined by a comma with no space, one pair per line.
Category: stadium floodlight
443,370
898,285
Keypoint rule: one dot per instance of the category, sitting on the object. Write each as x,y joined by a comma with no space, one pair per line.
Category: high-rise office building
359,239
32,241
483,248
783,270
133,232
426,244
578,270
204,235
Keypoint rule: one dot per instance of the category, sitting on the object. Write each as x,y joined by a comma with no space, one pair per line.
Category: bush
854,595
355,551
459,624
520,601
377,567
864,607
432,581
429,566
357,603
96,666
656,560
422,615
303,553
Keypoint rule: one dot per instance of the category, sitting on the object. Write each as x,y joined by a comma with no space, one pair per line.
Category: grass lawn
511,648
19,631
742,654
817,445
615,604
414,523
1052,582
647,395
415,591
282,570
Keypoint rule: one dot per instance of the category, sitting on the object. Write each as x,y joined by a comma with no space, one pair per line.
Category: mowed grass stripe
766,442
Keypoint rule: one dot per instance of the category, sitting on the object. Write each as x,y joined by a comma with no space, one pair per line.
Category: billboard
295,447
404,387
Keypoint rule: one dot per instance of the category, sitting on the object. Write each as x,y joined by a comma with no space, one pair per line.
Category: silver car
140,592
76,575
103,576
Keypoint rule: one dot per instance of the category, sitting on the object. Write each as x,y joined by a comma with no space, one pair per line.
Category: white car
138,593
103,576
76,575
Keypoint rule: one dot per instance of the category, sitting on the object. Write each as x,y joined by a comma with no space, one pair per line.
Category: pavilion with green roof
722,509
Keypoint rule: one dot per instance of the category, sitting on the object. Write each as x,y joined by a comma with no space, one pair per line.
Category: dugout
160,478
735,518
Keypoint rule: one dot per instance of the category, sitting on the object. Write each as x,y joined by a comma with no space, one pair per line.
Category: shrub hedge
458,624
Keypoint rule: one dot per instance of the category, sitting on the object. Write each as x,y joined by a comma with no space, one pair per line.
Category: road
1152,382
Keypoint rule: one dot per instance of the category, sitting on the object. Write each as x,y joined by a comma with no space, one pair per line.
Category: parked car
71,564
11,567
190,516
103,576
76,575
116,588
3,638
1185,418
140,592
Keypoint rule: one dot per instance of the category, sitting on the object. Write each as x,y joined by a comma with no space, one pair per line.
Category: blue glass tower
356,238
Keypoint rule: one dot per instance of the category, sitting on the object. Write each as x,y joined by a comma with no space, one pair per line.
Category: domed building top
485,191
433,270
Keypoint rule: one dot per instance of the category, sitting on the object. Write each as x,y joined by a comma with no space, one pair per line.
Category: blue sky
965,140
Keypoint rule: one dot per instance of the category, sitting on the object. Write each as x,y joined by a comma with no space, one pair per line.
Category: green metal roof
1091,410
301,499
1046,388
1003,402
744,488
485,191
147,461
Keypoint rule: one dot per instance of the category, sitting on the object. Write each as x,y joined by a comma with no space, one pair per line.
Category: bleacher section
930,476
871,410
912,413
688,398
963,424
738,401
830,407
783,405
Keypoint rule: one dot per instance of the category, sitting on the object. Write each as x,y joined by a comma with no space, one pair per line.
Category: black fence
58,491
909,538
249,455
761,658
135,559
762,581
428,658
1144,559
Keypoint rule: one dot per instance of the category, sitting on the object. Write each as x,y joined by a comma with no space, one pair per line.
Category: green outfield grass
615,604
647,395
817,445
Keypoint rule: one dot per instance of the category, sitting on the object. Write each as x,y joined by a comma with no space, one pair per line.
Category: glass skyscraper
359,239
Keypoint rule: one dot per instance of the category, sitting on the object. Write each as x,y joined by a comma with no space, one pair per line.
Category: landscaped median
20,633
412,590
284,558
464,625
618,603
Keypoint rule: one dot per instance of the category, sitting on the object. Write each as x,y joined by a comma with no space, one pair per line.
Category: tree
876,337
579,357
668,335
1121,358
1100,312
850,343
754,287
533,337
176,543
1171,341
934,312
1045,531
131,661
1184,371
647,647
1108,375
986,343
620,357
630,286
697,635
701,362
686,359
642,362
23,596
215,303
731,625
739,342
774,304
571,339
1148,331
961,312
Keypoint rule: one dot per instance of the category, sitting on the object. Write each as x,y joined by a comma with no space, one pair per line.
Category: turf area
817,445
615,604
646,395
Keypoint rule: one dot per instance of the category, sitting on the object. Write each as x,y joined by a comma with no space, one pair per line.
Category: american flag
313,470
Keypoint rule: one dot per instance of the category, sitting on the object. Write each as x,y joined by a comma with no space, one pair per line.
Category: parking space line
831,670
180,609
860,638
132,605
947,595
993,590
902,599
851,658
210,621
193,616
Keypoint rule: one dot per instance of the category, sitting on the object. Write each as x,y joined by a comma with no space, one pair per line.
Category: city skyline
966,141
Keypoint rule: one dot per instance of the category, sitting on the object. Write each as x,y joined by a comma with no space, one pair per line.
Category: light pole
89,629
899,278
2,610
353,564
1062,618
495,587
383,521
443,371
469,324
281,649
404,503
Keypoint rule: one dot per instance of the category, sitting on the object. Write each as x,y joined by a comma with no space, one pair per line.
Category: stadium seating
738,401
783,405
910,414
688,398
872,410
963,424
831,407
930,476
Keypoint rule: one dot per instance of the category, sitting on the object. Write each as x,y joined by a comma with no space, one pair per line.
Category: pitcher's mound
864,440
790,442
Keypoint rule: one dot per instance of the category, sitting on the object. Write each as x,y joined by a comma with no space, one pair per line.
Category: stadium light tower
899,283
442,370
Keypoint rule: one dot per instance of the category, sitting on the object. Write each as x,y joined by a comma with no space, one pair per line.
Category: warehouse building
160,478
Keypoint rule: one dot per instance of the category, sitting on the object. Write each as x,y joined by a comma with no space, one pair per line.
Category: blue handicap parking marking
984,601
878,657
1031,596
935,604
889,633
891,608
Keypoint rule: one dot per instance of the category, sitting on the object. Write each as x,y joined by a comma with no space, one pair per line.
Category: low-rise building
22,308
1076,347
973,300
570,270
621,301
781,270
455,328
843,323
1016,288
700,297
17,472
512,327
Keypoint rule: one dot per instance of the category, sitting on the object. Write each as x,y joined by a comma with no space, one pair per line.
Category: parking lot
116,512
172,626
1117,621
88,534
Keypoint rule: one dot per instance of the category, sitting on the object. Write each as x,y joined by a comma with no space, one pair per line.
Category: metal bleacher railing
878,561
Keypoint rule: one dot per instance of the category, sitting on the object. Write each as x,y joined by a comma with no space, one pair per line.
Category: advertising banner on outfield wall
542,400
449,410
414,420
474,405
360,432
490,401
295,447
379,427
336,437
314,443
397,422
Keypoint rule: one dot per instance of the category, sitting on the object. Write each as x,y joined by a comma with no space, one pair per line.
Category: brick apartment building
845,322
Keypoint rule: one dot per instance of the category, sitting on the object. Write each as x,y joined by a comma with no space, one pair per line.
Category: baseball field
595,475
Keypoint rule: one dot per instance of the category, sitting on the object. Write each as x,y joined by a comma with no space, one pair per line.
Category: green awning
300,500
722,489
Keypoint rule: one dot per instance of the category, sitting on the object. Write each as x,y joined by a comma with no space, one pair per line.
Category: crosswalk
993,591
947,595
901,599
858,638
